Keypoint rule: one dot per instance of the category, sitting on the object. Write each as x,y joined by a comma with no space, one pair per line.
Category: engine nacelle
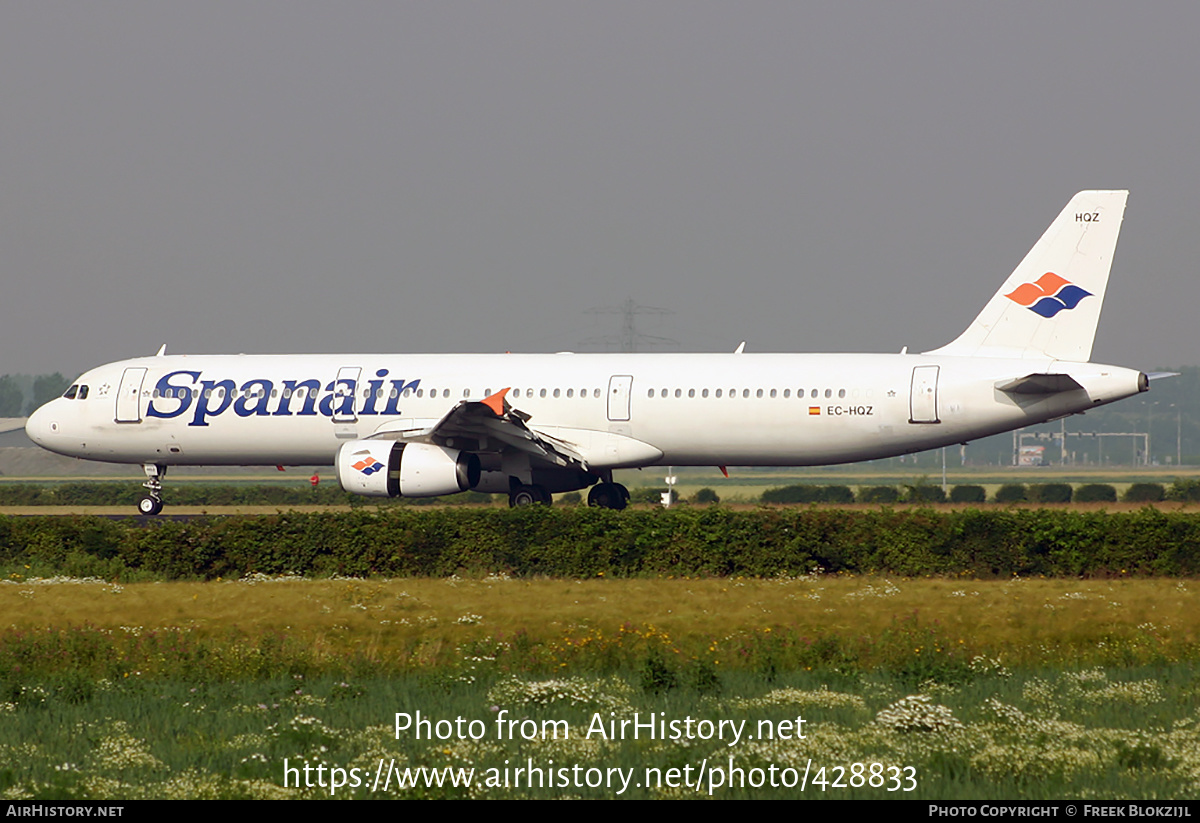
388,468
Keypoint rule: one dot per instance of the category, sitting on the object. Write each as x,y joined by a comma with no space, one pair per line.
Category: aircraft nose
40,425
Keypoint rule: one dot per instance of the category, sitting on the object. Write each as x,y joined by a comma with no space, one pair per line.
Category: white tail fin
1050,305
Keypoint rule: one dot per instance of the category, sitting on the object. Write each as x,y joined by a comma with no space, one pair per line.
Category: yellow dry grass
995,616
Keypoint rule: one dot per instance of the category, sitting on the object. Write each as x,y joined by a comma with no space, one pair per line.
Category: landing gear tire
152,503
609,496
528,496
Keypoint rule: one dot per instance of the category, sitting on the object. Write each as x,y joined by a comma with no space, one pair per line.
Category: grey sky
274,177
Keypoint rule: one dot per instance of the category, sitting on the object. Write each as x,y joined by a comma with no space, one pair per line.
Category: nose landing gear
152,503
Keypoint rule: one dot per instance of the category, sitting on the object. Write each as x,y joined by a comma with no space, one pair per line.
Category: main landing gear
152,502
604,495
529,495
609,496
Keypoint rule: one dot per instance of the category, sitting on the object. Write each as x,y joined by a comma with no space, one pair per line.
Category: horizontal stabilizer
1040,384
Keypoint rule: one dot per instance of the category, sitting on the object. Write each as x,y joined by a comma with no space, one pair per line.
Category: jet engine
388,468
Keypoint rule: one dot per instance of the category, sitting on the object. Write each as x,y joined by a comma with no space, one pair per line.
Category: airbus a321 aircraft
530,425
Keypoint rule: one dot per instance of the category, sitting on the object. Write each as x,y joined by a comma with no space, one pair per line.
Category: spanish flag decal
814,410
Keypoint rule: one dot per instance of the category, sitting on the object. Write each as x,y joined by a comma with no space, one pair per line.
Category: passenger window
829,392
718,393
679,392
556,392
704,393
691,392
758,393
787,393
841,392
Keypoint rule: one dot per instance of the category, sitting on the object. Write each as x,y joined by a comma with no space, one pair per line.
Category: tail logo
369,466
1049,295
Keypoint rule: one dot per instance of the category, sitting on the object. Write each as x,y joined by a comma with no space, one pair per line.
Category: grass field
936,689
414,623
1126,733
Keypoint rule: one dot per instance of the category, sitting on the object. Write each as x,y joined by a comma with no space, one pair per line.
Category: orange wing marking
495,402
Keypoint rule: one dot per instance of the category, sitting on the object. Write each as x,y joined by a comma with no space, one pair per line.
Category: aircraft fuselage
692,409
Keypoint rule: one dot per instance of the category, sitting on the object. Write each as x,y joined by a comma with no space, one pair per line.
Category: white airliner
533,424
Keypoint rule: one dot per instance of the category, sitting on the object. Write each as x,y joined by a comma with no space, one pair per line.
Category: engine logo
368,466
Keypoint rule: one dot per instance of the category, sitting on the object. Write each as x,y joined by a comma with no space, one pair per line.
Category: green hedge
968,494
924,493
584,542
878,494
1012,493
1145,493
1050,492
807,493
1187,490
1096,493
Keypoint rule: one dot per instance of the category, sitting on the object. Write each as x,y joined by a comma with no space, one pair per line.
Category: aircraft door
922,404
129,395
345,389
619,386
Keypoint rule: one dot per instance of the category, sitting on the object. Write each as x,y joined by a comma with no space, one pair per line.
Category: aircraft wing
493,425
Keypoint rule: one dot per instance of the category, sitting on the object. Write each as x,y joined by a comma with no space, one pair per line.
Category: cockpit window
83,392
71,392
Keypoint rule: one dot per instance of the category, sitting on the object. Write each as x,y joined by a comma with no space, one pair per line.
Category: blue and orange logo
1049,295
368,466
